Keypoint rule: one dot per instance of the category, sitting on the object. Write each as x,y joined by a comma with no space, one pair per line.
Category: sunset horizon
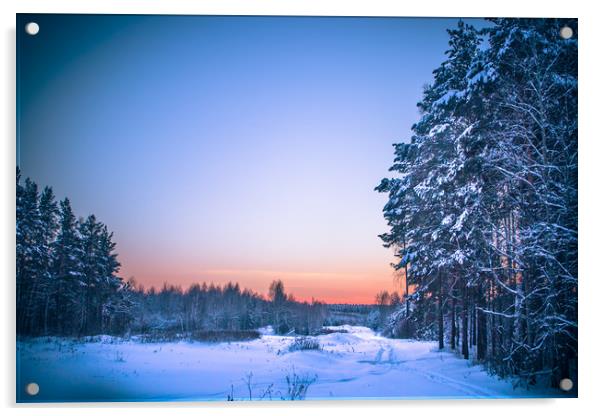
304,286
231,166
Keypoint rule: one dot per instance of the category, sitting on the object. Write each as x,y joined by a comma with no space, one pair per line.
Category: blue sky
228,148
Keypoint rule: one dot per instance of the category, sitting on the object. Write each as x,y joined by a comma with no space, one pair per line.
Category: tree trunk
407,284
453,322
407,293
473,324
440,311
46,310
465,325
481,329
493,329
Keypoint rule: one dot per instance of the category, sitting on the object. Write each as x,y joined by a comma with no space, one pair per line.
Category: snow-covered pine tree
36,227
536,96
29,229
422,210
91,275
68,271
101,287
67,282
48,209
483,207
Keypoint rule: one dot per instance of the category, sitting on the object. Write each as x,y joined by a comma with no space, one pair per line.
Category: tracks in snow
386,359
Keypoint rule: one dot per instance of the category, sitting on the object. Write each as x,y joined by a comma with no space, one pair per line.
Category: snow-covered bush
304,343
327,331
398,325
374,319
224,336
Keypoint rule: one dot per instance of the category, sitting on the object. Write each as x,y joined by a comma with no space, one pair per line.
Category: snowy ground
357,364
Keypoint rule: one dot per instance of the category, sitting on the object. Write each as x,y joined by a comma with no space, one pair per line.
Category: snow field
357,364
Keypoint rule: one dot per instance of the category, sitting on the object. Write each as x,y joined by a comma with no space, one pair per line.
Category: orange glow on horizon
351,287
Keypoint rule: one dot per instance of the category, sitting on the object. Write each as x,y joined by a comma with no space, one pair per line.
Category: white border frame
590,150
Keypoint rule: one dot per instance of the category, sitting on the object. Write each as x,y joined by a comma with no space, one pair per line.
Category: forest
482,204
68,285
481,217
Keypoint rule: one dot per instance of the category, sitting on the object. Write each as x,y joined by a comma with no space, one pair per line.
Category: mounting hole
566,384
32,28
32,389
566,32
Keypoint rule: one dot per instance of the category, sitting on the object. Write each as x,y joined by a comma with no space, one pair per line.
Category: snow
447,97
354,364
460,221
447,220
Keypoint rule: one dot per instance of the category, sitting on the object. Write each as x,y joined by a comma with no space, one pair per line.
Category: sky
222,148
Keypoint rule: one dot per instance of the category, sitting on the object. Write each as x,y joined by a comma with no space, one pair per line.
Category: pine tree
49,225
67,280
530,53
483,209
68,271
422,211
92,277
30,256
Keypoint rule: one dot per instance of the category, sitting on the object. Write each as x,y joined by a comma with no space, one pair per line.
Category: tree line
68,284
482,207
66,269
210,307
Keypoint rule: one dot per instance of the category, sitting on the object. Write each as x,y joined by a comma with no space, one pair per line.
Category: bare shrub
298,385
304,343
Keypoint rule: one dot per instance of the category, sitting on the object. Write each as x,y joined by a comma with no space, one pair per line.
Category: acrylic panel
235,208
